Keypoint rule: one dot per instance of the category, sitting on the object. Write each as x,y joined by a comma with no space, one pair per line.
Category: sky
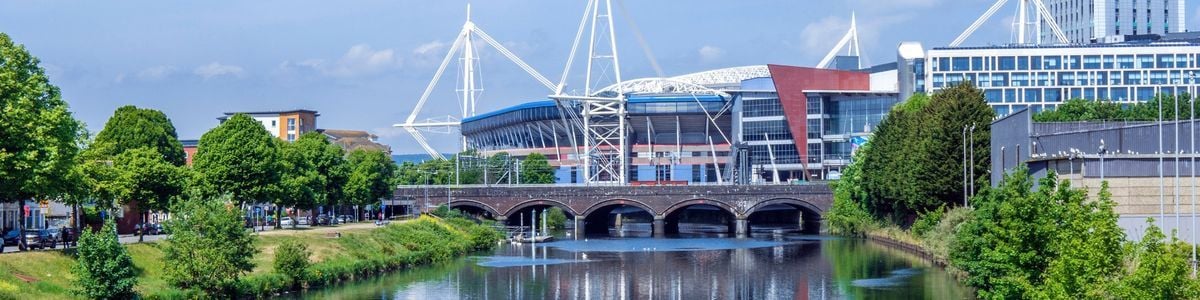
364,64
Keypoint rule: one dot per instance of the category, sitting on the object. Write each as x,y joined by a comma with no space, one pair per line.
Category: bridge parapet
740,200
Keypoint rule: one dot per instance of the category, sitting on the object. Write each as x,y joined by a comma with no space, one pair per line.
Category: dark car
42,238
323,219
12,237
151,229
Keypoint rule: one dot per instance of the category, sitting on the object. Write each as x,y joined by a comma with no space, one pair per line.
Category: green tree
1160,270
291,261
316,171
556,219
152,183
1087,247
915,161
103,269
371,177
131,127
535,169
144,175
208,249
239,158
39,138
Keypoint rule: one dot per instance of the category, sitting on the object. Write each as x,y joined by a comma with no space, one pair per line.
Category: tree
208,249
291,261
1160,270
39,138
316,172
371,177
535,169
239,158
103,269
556,219
131,127
155,172
145,176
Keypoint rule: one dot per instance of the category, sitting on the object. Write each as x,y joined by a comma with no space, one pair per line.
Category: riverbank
360,251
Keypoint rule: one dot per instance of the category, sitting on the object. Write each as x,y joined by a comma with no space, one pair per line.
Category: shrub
556,219
104,270
927,221
208,249
291,261
939,238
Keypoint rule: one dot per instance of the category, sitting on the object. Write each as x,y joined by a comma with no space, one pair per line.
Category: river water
792,267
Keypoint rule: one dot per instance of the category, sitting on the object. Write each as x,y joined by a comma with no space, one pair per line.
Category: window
774,130
762,107
291,124
1008,63
291,137
961,64
273,123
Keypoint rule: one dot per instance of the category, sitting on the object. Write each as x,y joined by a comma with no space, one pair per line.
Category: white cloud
824,33
155,73
710,53
429,48
216,69
360,60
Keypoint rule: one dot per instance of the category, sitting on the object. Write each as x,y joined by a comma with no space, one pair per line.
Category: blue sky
363,64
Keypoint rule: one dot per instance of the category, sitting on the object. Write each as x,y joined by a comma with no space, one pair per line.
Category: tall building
1017,77
1089,21
287,125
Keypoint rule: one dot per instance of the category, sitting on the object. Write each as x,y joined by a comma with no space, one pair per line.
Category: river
793,267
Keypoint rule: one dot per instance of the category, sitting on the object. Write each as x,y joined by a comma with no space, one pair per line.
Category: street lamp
1101,160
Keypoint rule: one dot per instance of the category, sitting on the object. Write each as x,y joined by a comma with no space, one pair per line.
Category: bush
104,270
556,219
927,221
938,239
208,249
291,261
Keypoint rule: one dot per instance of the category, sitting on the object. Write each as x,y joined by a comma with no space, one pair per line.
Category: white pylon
1021,21
849,42
470,88
602,114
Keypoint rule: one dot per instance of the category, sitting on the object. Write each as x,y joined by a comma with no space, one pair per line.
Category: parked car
151,229
302,220
286,221
323,219
343,219
42,238
12,237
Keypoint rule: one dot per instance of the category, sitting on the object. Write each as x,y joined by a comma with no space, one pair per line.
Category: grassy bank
358,253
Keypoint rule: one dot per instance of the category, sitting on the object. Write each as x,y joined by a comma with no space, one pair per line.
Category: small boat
520,238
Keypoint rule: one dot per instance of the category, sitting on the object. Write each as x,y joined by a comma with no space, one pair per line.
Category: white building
1041,77
1089,21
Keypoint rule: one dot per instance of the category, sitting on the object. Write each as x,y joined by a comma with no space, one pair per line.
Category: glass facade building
1037,78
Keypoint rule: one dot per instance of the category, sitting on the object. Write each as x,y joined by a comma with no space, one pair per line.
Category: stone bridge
662,202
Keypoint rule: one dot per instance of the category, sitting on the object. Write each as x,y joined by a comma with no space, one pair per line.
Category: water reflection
712,268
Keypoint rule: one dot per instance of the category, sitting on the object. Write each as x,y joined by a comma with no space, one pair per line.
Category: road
130,238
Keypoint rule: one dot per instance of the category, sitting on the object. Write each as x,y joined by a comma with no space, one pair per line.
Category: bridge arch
618,201
700,201
798,203
807,215
475,204
598,217
710,216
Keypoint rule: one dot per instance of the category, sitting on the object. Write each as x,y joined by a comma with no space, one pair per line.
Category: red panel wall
791,82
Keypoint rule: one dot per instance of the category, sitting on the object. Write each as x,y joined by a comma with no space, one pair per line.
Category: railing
461,186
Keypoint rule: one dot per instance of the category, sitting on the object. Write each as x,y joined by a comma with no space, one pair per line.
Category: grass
47,274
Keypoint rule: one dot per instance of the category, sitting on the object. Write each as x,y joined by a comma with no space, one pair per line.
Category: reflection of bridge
663,203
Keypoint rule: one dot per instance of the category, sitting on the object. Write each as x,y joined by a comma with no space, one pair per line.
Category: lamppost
972,138
1162,191
1101,160
964,164
1192,138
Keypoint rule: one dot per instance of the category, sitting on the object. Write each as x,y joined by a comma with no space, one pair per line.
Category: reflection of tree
857,259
